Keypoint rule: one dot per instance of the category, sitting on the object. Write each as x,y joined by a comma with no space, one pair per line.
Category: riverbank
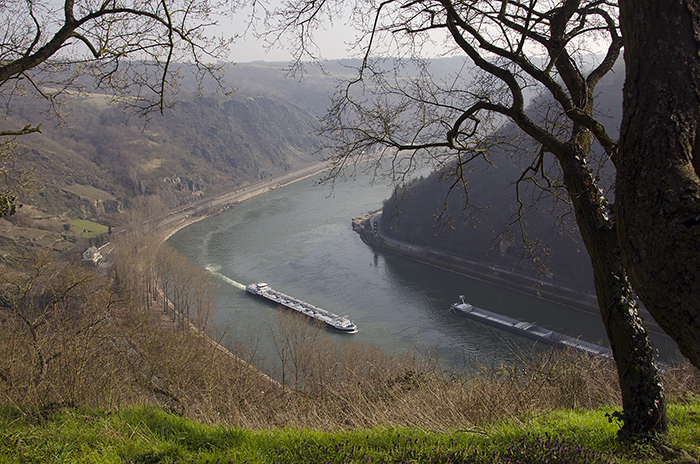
182,217
368,231
185,216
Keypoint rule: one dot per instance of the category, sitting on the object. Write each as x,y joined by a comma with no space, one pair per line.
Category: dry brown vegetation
73,336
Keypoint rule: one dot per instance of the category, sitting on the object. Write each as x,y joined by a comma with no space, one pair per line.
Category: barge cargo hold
332,321
528,329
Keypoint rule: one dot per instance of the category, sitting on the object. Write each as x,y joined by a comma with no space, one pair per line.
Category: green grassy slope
151,435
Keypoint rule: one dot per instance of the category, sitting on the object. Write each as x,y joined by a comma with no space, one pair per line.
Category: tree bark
658,188
644,407
643,402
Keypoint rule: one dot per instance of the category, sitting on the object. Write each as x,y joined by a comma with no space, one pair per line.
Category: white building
92,254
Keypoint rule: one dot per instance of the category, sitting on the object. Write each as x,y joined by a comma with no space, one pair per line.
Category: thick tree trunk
658,188
644,409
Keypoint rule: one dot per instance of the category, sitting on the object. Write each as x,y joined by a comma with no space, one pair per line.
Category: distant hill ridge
199,146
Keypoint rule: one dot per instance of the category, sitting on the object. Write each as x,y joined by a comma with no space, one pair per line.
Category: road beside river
182,217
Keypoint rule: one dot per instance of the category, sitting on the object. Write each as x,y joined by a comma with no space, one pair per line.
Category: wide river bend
298,238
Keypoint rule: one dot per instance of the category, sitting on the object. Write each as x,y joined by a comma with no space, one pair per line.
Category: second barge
528,329
332,321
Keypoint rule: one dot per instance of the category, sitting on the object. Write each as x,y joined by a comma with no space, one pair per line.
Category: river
299,239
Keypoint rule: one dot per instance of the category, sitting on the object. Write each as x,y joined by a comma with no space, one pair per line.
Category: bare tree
58,325
296,337
204,299
13,179
133,52
658,177
401,115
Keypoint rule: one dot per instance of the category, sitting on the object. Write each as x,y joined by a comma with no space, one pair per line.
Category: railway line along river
299,239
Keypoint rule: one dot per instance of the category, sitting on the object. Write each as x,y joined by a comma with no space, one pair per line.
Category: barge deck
528,329
334,322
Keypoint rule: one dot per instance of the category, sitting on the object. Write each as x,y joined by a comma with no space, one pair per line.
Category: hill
92,161
542,242
197,147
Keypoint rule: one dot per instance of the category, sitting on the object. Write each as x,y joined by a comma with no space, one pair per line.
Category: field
87,229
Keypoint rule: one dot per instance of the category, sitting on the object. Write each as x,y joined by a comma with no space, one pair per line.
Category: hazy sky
332,42
252,49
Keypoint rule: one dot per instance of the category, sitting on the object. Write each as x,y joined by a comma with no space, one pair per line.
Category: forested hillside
200,145
543,240
92,161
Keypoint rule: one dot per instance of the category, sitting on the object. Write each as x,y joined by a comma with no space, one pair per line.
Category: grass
87,229
152,435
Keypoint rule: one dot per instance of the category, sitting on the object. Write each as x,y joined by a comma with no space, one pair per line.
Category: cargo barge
527,329
333,321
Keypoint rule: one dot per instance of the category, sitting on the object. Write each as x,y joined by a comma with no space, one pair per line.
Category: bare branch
138,39
28,129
